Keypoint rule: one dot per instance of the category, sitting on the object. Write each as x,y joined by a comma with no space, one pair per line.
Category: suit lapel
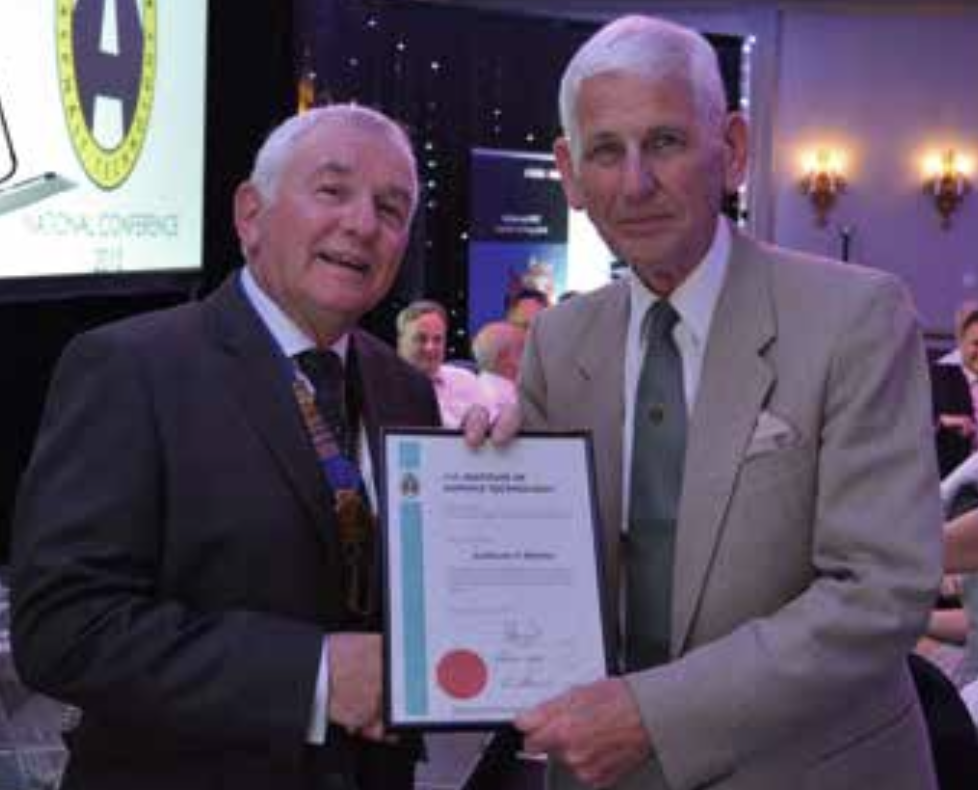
258,378
598,387
366,376
734,384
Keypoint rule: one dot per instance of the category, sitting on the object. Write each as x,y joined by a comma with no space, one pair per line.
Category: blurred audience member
498,349
949,629
954,381
959,488
522,307
539,276
966,308
947,632
421,330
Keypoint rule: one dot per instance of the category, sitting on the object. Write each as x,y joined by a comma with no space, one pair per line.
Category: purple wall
886,85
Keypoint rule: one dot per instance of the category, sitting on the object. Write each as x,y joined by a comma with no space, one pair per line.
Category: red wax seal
462,674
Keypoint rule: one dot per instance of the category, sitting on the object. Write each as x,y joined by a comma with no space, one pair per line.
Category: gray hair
492,340
272,156
650,48
418,308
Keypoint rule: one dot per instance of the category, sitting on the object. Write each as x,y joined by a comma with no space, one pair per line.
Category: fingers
596,731
476,425
355,682
507,425
541,726
535,718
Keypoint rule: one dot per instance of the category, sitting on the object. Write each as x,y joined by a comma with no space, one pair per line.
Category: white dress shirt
695,301
293,341
457,389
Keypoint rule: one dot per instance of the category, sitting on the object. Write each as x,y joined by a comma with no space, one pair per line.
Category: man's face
327,246
524,311
422,343
968,344
652,173
509,360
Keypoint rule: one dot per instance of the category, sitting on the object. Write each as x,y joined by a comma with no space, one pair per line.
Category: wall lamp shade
823,180
947,179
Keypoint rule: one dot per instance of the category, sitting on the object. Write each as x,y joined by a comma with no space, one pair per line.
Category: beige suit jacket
808,548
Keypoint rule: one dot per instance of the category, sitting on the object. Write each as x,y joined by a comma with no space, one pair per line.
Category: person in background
954,389
951,640
961,556
771,527
421,330
193,546
524,305
498,349
966,308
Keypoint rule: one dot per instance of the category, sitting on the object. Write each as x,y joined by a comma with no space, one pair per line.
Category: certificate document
492,576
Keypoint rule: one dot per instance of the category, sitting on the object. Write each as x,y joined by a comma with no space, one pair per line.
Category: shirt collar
696,297
286,333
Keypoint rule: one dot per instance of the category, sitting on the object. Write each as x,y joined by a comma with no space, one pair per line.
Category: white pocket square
771,433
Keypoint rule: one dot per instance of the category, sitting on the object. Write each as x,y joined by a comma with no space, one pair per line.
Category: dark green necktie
658,454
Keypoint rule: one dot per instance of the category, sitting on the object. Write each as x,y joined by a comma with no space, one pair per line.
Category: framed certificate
493,576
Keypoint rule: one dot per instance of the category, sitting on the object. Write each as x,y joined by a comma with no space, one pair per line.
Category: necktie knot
323,368
660,320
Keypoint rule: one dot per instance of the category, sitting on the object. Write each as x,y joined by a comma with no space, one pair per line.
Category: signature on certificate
522,633
522,672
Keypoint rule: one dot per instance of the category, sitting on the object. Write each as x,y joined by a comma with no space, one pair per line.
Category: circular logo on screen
106,53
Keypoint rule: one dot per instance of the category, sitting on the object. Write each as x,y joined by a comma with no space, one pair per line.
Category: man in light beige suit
807,539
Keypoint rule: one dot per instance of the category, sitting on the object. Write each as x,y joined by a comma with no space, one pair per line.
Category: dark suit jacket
952,396
175,558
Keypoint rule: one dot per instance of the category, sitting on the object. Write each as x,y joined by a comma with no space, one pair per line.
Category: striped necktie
326,417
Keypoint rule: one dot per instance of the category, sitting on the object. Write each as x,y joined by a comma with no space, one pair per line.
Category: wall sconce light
947,178
823,179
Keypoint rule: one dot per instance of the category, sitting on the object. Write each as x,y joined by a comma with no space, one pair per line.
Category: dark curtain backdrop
458,78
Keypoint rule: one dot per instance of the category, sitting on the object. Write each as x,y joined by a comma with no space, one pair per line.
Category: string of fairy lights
384,66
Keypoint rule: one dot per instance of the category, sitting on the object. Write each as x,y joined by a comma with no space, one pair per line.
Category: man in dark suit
178,573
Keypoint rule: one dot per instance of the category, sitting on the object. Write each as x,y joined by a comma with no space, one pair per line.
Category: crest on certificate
410,485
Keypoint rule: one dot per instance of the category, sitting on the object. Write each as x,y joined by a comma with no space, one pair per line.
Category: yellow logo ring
106,167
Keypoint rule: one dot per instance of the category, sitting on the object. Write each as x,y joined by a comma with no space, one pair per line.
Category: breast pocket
768,523
777,469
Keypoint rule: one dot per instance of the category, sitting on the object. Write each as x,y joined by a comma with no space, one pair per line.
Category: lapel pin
657,413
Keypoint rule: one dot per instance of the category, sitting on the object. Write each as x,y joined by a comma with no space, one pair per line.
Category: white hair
492,341
274,152
650,48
